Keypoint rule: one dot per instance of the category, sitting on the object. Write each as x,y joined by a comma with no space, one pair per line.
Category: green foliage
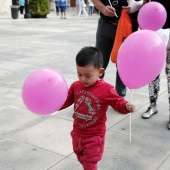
39,7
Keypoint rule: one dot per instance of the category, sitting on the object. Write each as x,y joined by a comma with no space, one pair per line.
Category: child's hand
130,107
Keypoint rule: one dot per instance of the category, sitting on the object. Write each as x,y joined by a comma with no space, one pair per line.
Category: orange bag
124,29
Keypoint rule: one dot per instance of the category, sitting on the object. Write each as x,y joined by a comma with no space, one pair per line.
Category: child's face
88,75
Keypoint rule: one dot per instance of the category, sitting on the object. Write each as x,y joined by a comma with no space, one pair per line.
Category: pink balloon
152,16
44,91
141,58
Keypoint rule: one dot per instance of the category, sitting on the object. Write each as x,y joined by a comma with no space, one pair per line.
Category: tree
39,8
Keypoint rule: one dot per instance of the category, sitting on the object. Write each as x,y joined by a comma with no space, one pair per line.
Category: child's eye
88,76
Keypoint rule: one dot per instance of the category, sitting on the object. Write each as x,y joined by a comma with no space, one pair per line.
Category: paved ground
32,142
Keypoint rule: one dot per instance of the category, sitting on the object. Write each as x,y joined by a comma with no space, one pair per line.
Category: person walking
91,7
57,6
22,5
77,8
109,15
62,7
82,9
154,86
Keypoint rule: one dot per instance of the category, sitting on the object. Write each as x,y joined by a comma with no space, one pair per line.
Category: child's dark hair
89,55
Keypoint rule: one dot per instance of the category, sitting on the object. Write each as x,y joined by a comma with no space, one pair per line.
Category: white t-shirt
81,3
90,3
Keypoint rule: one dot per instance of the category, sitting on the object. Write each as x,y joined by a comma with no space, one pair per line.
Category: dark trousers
104,42
57,10
105,36
21,8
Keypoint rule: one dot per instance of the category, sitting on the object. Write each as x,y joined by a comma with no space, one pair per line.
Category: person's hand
130,107
109,11
127,8
133,6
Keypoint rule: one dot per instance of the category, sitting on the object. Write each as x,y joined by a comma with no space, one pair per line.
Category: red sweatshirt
90,106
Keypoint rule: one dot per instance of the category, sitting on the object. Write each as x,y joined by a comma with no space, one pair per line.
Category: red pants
88,150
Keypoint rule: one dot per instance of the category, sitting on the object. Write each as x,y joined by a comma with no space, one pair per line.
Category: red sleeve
115,101
70,98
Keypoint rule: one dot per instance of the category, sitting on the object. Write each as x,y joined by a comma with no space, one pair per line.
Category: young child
91,97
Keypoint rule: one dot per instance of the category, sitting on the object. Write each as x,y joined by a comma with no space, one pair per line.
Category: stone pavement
32,142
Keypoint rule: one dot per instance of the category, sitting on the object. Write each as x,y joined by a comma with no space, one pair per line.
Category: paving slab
165,164
51,134
13,119
16,155
65,163
138,155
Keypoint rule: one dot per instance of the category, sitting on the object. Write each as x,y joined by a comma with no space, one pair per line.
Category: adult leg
104,40
91,10
80,9
57,10
84,11
168,76
64,15
167,71
77,12
168,126
62,12
21,9
154,87
119,85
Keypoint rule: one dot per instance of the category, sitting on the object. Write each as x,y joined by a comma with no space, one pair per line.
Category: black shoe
168,126
150,111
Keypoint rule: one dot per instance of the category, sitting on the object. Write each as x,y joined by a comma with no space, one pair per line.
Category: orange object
124,29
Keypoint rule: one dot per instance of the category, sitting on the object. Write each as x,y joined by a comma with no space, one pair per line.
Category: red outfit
90,106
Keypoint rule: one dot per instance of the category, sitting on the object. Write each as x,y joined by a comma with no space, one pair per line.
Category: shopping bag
124,29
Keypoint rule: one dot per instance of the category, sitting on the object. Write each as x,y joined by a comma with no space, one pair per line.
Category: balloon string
130,128
112,7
